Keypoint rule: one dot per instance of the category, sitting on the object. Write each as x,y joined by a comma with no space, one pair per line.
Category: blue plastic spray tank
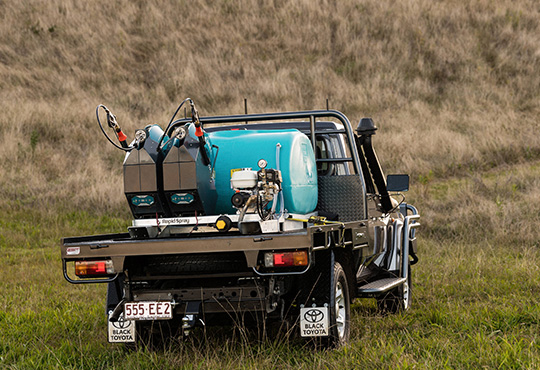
233,150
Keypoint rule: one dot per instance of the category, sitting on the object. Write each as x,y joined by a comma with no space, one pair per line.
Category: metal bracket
409,224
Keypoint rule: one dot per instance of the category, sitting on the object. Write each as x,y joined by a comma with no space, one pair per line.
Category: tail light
94,268
286,259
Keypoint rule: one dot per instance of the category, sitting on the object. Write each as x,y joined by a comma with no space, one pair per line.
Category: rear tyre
340,311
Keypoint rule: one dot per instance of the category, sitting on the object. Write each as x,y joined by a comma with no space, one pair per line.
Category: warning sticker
233,170
314,322
122,331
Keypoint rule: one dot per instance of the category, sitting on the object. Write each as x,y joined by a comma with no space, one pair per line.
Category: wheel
398,299
340,311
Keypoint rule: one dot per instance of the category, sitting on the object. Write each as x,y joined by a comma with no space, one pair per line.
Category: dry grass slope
453,85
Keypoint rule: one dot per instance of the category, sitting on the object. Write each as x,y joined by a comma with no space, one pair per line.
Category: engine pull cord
111,121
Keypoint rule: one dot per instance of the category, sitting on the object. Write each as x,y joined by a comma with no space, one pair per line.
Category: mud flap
121,331
315,296
314,322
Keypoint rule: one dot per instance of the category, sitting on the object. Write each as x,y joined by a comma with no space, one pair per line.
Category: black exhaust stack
365,130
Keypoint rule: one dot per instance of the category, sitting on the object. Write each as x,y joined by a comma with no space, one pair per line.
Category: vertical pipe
376,172
407,227
405,250
278,167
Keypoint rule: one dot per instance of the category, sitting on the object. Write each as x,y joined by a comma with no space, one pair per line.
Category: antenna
245,107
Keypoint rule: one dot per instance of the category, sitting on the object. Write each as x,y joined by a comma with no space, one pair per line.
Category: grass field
475,305
453,86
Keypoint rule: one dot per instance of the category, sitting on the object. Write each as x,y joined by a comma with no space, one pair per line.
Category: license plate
149,310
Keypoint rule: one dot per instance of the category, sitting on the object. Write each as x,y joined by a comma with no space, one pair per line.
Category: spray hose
198,129
171,122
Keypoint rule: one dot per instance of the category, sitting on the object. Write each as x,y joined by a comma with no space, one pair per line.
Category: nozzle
122,138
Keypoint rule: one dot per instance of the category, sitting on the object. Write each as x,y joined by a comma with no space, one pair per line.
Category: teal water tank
236,149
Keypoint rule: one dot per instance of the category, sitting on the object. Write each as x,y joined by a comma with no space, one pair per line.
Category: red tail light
94,268
286,259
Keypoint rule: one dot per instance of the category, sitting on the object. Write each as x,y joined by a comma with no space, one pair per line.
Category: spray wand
111,121
199,132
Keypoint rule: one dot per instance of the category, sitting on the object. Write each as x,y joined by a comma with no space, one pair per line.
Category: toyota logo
313,316
121,323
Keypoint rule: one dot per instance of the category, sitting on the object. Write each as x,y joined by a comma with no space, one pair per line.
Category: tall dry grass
453,85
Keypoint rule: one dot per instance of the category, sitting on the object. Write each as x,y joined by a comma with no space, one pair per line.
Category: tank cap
366,127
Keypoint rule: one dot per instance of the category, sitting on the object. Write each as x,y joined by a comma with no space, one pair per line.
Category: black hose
171,122
261,208
118,310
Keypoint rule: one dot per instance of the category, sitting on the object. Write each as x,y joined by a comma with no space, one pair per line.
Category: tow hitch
191,317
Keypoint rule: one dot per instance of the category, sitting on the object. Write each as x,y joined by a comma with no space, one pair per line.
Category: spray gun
111,121
199,132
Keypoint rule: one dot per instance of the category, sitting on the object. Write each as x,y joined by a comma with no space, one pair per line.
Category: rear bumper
119,246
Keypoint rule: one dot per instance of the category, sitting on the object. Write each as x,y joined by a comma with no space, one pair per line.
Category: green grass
475,293
475,305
